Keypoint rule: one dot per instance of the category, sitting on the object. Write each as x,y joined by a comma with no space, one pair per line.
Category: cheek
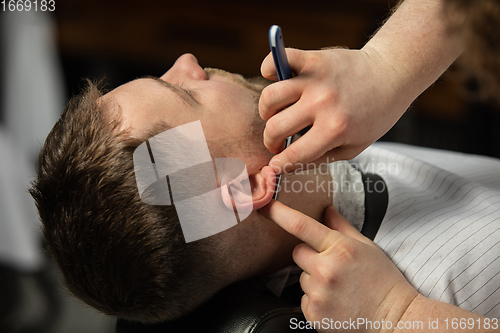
242,111
229,116
222,134
233,114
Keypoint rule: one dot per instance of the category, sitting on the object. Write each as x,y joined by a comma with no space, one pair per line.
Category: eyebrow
185,96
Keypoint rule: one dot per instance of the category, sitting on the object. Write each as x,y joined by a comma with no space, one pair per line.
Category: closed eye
182,90
188,91
185,88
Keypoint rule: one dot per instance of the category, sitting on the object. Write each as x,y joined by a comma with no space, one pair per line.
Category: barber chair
237,309
234,309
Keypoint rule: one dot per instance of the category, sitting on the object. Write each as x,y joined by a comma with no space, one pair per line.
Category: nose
185,67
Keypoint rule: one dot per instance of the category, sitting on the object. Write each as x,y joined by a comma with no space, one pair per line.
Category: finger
284,124
304,305
277,96
305,257
267,68
336,221
310,231
304,281
340,153
296,59
311,146
336,154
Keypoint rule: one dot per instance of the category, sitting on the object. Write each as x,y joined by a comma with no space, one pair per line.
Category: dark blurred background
121,40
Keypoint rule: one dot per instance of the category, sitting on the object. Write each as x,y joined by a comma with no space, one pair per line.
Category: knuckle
345,252
297,225
316,301
326,275
341,123
344,124
326,98
312,61
294,154
336,128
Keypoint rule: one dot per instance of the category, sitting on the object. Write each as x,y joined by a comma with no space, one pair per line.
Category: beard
252,140
255,84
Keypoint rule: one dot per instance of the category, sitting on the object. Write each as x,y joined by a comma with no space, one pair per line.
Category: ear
262,185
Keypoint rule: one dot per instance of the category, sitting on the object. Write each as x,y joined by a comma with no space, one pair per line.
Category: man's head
130,259
225,104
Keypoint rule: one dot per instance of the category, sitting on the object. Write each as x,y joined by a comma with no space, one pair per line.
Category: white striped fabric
442,226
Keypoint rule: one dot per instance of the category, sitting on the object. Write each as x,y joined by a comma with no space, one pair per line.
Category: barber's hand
350,97
346,276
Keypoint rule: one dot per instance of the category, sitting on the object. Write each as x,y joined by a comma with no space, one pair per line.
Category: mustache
256,84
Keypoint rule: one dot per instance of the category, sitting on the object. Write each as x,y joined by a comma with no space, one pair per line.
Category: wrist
425,314
398,82
416,46
396,305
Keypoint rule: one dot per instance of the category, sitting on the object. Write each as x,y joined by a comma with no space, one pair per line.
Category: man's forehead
131,87
134,106
112,98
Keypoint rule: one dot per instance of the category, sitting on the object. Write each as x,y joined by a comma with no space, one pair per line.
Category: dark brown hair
116,253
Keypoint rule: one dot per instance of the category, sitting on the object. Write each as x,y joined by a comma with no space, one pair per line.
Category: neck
308,191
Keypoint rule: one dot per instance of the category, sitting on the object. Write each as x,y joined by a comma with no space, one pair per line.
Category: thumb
335,221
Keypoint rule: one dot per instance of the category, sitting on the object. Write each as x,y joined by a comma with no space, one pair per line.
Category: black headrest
234,310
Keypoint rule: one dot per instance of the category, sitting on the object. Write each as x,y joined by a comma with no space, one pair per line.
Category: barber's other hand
346,276
349,97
